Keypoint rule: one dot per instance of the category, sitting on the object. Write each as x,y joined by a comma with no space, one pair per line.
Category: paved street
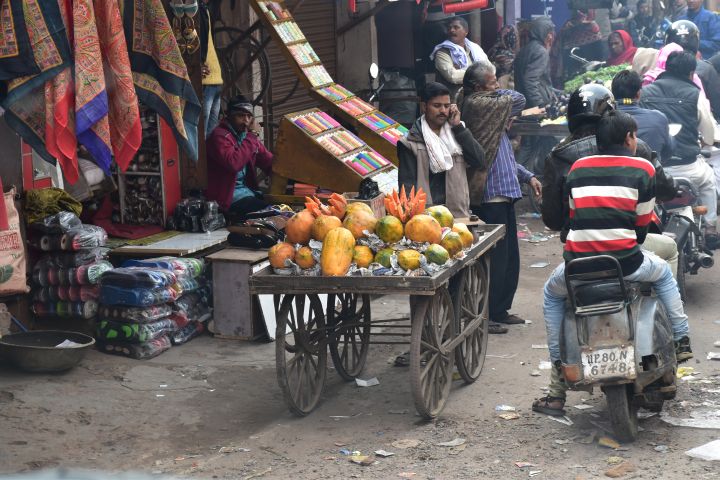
212,409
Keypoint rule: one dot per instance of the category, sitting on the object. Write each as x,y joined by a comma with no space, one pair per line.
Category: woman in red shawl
622,48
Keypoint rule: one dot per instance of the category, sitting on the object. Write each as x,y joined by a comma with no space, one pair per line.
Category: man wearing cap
234,151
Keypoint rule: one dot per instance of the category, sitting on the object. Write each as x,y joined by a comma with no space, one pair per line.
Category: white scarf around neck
441,148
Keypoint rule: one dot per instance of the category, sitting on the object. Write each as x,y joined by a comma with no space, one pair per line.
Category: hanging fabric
159,72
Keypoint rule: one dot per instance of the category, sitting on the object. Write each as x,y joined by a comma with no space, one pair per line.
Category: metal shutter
316,19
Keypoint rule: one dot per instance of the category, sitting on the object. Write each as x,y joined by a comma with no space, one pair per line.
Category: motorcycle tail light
700,210
572,373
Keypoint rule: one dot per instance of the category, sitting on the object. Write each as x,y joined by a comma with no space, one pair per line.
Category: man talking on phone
234,153
436,152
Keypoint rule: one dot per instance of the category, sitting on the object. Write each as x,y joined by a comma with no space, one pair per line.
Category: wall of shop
356,48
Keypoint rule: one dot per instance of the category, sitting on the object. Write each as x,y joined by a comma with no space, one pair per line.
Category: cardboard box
377,204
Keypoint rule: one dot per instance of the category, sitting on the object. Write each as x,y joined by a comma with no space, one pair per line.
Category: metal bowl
37,351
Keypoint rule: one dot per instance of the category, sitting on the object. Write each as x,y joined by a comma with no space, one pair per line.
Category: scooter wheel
623,412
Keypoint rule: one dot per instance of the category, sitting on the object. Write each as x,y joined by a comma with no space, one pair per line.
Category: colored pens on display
289,32
317,75
340,142
274,10
303,54
356,107
315,122
366,162
335,93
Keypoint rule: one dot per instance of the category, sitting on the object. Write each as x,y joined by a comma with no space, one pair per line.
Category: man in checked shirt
488,111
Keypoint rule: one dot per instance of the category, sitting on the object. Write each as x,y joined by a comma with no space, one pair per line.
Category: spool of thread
66,242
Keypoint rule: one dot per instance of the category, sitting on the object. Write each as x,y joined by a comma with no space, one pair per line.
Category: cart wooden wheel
301,351
431,361
470,300
349,335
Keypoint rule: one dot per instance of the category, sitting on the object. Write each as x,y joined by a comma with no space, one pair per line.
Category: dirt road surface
212,409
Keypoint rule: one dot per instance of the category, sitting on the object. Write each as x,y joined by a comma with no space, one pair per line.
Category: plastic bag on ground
108,330
140,351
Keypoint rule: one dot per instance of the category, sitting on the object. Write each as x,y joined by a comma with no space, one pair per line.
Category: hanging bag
12,248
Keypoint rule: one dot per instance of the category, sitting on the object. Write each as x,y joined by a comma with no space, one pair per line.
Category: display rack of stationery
375,128
314,148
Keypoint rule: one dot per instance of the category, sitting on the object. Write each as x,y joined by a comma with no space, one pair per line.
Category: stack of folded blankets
66,276
146,306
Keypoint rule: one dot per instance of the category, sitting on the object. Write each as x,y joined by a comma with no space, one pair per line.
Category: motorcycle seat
597,293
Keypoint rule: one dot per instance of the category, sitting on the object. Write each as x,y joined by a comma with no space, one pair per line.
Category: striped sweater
611,200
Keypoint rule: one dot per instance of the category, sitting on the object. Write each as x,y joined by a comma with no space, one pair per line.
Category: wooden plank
179,245
266,282
238,255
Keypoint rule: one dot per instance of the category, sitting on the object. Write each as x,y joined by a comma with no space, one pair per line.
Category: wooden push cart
448,324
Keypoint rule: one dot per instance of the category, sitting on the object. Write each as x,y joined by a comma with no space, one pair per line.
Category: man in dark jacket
653,126
234,151
687,35
436,152
532,79
675,94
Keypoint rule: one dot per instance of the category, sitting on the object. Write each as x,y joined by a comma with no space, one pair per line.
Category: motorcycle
616,336
587,65
682,220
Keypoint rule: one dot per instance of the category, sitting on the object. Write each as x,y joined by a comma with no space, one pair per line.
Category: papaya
304,258
423,228
389,229
358,220
362,256
452,243
442,214
465,234
359,206
322,225
409,259
337,252
280,252
383,257
297,229
437,254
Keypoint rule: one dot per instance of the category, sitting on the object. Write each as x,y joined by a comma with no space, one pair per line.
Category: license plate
612,362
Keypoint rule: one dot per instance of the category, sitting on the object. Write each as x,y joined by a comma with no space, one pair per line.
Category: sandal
548,405
403,360
496,328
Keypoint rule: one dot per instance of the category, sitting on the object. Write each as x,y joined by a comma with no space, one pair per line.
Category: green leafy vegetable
603,75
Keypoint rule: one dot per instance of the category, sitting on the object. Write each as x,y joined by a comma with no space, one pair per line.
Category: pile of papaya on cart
342,238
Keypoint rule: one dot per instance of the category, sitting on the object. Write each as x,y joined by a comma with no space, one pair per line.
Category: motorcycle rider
686,34
585,107
675,95
611,197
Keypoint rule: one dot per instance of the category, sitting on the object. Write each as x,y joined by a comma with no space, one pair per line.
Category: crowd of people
600,184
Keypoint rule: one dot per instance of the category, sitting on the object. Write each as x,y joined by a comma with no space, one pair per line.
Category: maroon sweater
225,158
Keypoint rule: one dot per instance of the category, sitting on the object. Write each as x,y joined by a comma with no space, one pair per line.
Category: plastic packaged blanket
182,267
135,314
136,297
61,309
75,259
136,277
82,237
61,222
65,293
140,351
108,330
191,330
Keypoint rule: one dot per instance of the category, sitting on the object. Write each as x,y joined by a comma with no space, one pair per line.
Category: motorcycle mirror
374,70
675,129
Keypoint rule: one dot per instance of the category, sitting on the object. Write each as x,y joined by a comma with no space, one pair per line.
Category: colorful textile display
135,314
134,332
16,55
27,95
159,72
91,100
106,107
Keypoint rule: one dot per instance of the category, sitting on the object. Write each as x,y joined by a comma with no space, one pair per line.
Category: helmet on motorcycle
587,104
685,33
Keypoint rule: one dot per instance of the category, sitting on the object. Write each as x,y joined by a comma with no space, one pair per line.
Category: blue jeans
653,269
211,107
